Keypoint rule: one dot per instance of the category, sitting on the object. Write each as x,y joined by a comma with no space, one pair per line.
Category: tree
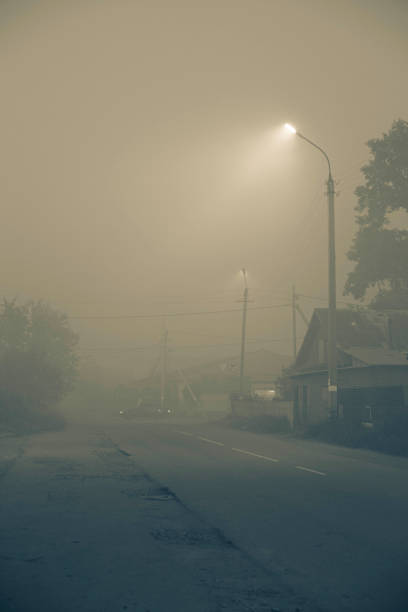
38,362
380,253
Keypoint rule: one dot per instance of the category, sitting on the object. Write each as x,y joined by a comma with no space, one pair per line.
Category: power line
186,346
118,349
320,299
174,314
174,299
176,332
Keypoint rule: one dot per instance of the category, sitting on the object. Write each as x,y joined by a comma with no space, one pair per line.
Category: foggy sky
142,164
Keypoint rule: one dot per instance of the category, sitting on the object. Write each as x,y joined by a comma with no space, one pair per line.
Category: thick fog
143,161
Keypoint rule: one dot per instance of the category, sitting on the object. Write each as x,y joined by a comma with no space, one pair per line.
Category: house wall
256,407
310,399
310,390
378,376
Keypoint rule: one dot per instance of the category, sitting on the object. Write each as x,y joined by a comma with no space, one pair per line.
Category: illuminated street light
331,336
290,128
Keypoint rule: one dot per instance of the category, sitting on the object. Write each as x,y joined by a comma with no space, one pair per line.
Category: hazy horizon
143,163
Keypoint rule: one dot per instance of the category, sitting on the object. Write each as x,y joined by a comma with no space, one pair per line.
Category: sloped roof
386,328
355,327
259,364
371,336
378,356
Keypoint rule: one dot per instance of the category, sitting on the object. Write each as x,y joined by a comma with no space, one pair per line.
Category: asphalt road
330,524
175,516
84,528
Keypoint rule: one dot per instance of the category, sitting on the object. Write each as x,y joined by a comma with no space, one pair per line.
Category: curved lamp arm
319,149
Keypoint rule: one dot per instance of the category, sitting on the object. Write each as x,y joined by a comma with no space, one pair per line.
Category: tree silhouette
380,253
38,362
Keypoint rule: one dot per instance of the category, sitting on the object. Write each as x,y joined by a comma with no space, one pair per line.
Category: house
261,366
214,381
210,384
372,366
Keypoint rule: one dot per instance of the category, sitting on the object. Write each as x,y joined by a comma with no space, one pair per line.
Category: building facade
372,364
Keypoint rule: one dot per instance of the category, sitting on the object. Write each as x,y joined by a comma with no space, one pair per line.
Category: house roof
259,365
370,336
377,356
386,328
355,327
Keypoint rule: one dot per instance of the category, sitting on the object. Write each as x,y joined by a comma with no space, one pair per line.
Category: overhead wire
174,314
310,214
320,299
186,346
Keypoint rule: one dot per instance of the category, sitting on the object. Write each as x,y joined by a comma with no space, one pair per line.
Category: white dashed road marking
245,452
305,469
210,441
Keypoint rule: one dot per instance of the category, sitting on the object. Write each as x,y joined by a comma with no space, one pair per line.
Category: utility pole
331,327
331,344
163,369
294,304
243,333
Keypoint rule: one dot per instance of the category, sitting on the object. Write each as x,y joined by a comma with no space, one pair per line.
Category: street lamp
243,333
331,348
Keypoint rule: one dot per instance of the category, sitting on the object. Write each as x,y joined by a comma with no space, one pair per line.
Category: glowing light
290,128
244,276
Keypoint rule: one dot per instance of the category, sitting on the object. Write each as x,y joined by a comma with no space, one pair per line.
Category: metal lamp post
331,339
243,333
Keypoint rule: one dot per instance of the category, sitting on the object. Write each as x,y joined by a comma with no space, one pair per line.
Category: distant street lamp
243,334
331,338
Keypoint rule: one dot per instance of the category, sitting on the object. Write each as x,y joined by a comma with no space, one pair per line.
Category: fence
245,406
